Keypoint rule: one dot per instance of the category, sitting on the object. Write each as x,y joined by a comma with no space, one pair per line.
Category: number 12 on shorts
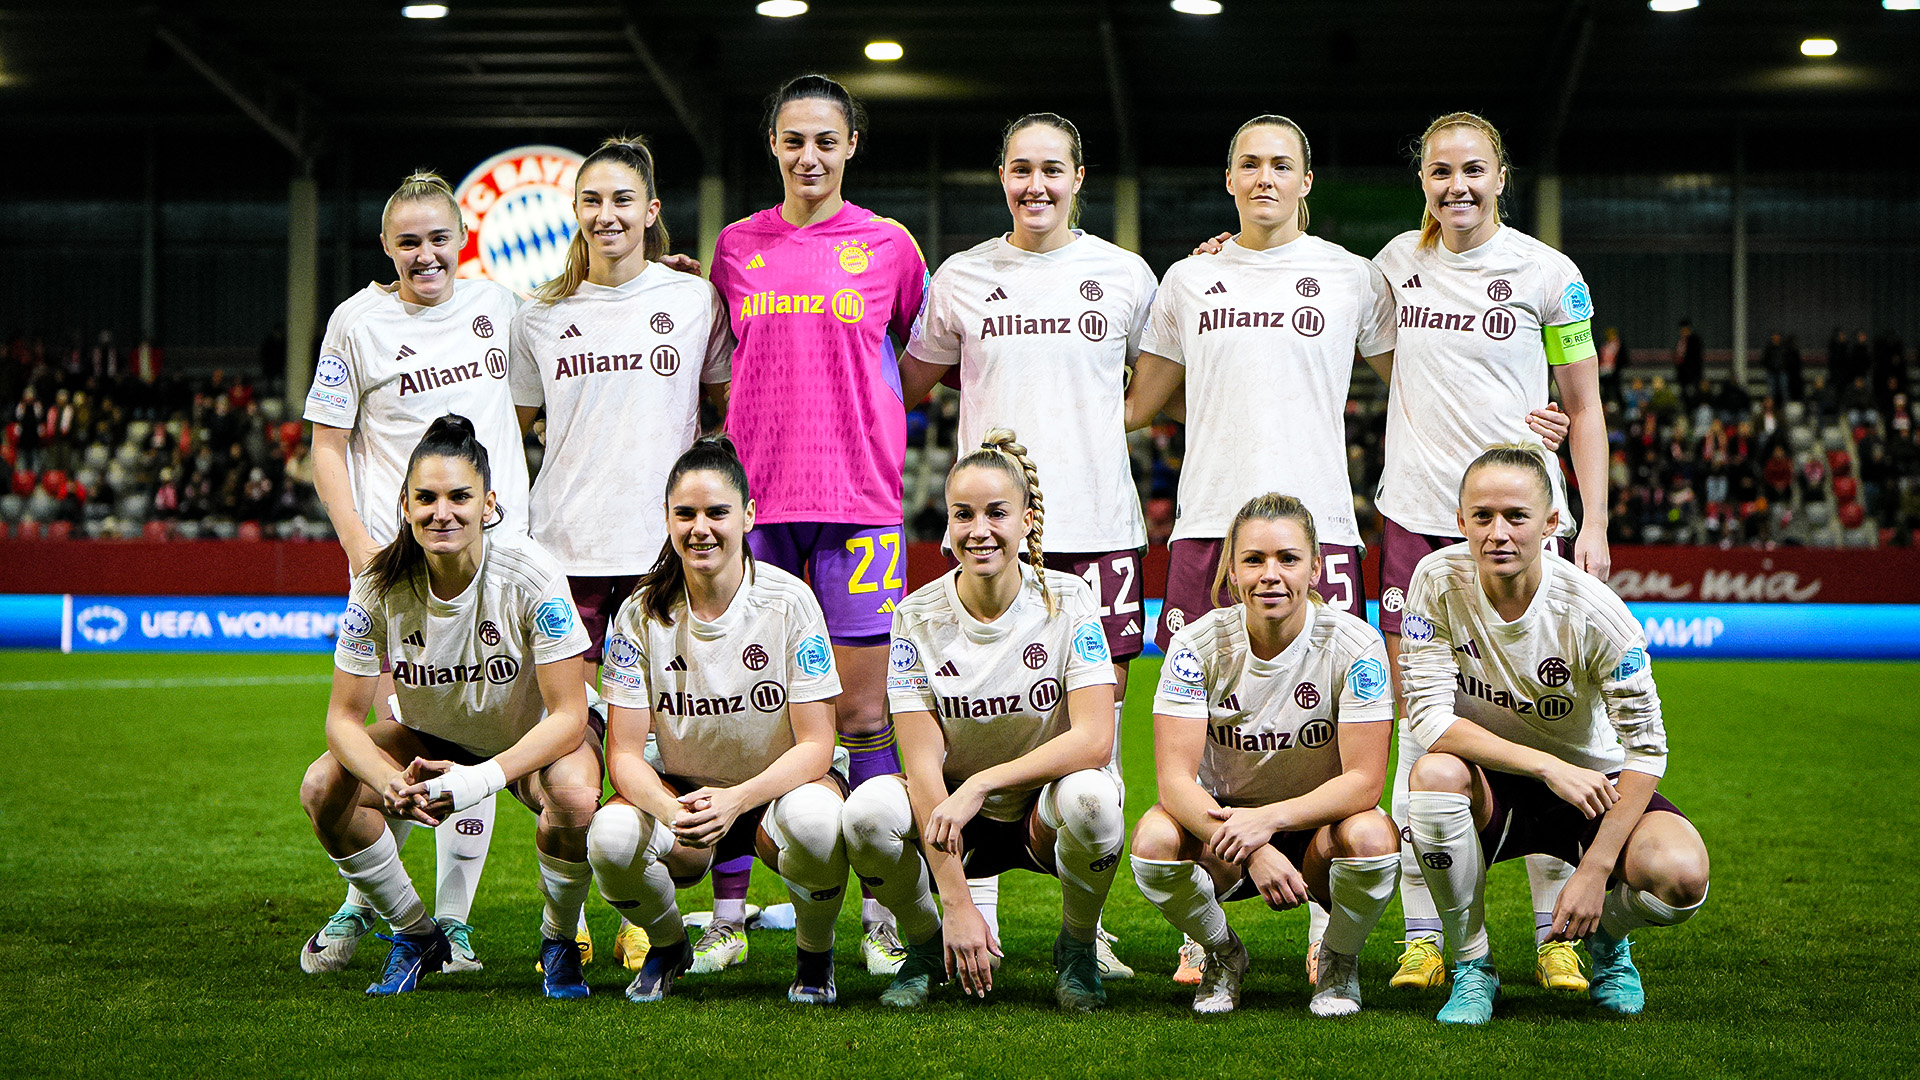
1127,566
863,547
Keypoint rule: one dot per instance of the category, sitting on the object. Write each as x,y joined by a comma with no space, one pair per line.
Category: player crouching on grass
1546,738
1001,688
485,646
1279,707
726,660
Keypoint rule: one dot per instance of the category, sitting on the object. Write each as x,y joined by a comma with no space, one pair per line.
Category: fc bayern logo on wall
518,206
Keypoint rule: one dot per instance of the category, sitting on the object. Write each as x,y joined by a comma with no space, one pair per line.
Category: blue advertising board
277,624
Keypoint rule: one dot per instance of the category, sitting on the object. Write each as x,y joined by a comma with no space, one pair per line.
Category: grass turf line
159,878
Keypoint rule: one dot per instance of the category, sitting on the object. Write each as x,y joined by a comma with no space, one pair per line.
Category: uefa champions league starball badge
518,205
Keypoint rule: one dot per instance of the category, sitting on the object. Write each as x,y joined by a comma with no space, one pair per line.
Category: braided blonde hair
1000,451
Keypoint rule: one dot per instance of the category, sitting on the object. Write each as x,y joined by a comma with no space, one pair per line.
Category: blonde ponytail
422,185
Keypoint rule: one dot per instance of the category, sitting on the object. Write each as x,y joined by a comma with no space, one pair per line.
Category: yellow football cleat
1421,966
1558,967
582,940
630,947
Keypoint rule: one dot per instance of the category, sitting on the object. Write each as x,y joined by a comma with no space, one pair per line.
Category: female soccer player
1531,694
485,647
815,286
1486,312
616,349
394,358
725,659
1002,691
1270,743
1043,324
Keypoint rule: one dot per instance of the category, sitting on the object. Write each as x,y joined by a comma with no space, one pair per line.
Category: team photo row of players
770,688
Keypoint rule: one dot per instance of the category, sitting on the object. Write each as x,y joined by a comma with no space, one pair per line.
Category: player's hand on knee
1592,792
1278,880
1212,245
949,819
1577,913
1243,831
970,949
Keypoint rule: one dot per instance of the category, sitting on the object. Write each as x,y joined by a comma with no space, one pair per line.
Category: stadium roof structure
1602,83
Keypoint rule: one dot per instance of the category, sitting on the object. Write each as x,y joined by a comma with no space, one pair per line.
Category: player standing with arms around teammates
395,358
1002,689
485,648
1545,736
1270,743
1486,312
725,660
616,350
1044,323
819,290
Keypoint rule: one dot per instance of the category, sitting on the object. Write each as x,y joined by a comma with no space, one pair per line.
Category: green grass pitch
159,877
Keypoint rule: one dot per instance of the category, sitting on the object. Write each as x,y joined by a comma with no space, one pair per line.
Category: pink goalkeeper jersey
815,406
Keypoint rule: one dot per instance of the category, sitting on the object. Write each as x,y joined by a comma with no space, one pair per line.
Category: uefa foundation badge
518,205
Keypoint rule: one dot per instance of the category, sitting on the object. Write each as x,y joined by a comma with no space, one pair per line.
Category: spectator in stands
1781,358
1633,400
1663,400
1613,363
1822,401
1689,361
148,359
1856,404
1839,359
31,414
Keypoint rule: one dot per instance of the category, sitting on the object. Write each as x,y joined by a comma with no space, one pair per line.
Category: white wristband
468,784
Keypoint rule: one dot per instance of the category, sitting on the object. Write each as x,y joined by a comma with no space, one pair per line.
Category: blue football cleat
412,955
560,969
1475,986
813,980
1615,984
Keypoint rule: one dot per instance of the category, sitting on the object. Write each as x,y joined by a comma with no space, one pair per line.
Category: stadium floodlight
1818,46
781,9
1196,7
884,50
424,11
1901,5
1672,5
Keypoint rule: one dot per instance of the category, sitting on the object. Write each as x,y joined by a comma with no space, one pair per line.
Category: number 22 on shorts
863,547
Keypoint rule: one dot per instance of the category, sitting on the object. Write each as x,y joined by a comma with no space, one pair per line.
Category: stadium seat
54,482
12,507
1852,514
1845,490
29,530
60,530
222,530
1839,462
24,482
154,530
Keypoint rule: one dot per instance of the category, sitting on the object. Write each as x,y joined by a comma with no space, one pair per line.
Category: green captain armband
1568,344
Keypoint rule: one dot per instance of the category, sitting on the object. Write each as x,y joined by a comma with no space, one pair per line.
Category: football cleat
1313,963
1475,987
582,943
1616,982
561,977
1421,966
1220,976
331,947
630,946
460,944
1339,984
664,964
1557,966
1192,956
923,965
813,979
412,956
882,951
1111,966
1077,987
724,945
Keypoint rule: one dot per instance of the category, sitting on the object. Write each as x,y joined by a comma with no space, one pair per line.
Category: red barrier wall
278,567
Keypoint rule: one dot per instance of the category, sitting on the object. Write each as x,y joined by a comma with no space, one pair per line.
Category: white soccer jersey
1569,677
1273,726
1043,341
998,689
388,369
619,370
1469,366
464,668
719,690
1268,340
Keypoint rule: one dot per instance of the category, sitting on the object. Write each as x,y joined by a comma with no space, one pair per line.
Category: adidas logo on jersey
571,331
1469,648
996,294
1231,703
679,663
416,639
1411,283
948,670
756,263
405,351
1218,287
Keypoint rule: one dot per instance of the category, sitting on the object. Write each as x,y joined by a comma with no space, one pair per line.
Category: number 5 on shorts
863,547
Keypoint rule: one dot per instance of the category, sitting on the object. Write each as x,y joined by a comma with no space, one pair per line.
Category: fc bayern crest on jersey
518,205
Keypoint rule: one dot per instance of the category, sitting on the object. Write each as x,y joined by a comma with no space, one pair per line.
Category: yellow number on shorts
891,541
863,547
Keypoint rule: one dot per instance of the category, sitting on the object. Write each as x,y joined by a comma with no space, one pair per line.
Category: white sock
874,913
877,824
804,825
986,896
565,886
1113,764
382,878
400,828
1316,921
1090,830
1183,892
460,844
730,911
1449,849
1627,909
1361,888
1546,876
1422,919
624,848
